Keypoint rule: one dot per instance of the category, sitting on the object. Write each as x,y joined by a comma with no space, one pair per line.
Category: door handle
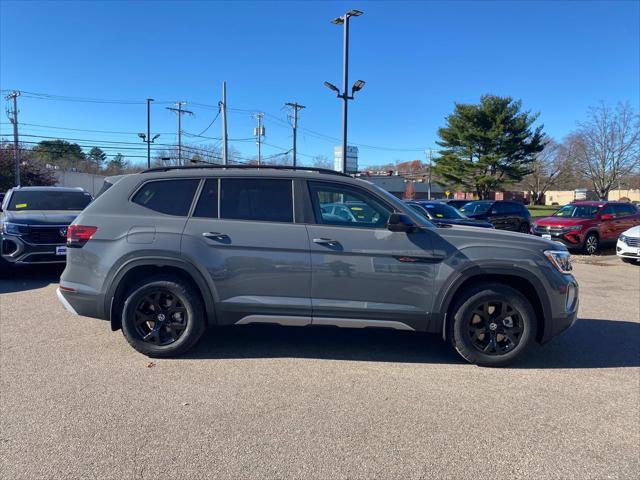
326,241
216,236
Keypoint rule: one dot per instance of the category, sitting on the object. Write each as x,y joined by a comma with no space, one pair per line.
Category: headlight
622,238
561,259
13,228
573,228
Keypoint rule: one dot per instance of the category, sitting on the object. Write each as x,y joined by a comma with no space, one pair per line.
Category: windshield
441,210
473,208
577,211
48,200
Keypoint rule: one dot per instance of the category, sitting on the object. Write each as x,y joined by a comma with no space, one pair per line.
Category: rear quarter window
171,197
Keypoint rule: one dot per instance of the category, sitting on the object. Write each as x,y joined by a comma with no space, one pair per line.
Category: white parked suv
628,247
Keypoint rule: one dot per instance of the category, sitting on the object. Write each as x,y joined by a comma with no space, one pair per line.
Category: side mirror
399,222
607,216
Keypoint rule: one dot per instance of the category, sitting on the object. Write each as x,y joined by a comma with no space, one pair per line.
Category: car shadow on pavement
320,342
30,277
589,344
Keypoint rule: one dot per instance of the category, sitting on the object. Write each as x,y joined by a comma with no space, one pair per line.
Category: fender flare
444,299
117,274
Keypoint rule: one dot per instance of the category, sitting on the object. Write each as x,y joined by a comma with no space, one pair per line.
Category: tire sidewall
195,318
465,308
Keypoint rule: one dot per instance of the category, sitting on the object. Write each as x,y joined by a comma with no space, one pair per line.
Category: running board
325,321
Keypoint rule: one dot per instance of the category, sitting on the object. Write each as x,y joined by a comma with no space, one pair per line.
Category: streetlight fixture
146,138
357,86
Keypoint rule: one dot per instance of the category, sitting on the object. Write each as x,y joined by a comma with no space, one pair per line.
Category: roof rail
244,167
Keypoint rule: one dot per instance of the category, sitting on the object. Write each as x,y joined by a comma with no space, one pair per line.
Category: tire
524,228
496,341
591,244
170,333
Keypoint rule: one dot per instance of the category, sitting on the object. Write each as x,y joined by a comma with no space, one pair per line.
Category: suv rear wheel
492,325
163,317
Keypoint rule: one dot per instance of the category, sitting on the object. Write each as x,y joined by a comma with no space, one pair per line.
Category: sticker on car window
21,205
439,215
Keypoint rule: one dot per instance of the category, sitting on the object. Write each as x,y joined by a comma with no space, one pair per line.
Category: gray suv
168,252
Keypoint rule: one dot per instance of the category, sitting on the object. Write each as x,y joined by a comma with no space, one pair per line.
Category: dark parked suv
34,223
502,214
165,253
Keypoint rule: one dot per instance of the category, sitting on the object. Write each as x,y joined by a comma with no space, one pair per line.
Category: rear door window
207,206
625,210
257,199
172,197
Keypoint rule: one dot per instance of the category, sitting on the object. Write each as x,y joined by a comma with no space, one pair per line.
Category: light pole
344,21
146,138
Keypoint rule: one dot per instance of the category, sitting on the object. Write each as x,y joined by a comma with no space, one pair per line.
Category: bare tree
546,169
607,146
321,161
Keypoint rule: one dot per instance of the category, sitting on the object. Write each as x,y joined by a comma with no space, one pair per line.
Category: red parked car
588,225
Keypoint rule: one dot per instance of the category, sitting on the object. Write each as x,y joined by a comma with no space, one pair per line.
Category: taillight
78,235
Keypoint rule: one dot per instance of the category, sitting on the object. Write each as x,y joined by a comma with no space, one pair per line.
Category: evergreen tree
97,157
487,146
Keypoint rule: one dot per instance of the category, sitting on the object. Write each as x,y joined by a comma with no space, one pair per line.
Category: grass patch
538,211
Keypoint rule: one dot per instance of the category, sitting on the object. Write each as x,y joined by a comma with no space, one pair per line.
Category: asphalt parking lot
267,402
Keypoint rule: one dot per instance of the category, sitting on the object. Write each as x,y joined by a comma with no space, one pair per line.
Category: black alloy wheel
160,317
163,316
495,327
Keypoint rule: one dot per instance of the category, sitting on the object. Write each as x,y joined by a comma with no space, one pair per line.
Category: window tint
513,207
500,208
48,200
172,197
624,210
608,210
207,205
341,205
266,200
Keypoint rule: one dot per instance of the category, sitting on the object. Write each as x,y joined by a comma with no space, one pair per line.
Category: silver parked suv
165,253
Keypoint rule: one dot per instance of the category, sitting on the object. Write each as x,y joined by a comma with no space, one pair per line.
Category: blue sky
417,58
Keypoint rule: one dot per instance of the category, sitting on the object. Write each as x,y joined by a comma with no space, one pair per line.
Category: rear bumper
82,303
15,250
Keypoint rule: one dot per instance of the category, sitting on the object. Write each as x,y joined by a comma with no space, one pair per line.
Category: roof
47,189
595,203
244,171
396,183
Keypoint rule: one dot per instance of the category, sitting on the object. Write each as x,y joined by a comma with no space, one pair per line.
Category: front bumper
571,240
567,301
625,251
16,250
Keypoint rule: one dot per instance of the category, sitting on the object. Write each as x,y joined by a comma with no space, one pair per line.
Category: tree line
493,146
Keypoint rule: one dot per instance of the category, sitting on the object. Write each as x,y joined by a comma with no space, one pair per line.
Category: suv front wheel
163,317
492,325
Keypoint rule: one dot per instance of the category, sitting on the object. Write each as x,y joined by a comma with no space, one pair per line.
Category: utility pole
259,133
13,118
180,111
296,107
225,136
